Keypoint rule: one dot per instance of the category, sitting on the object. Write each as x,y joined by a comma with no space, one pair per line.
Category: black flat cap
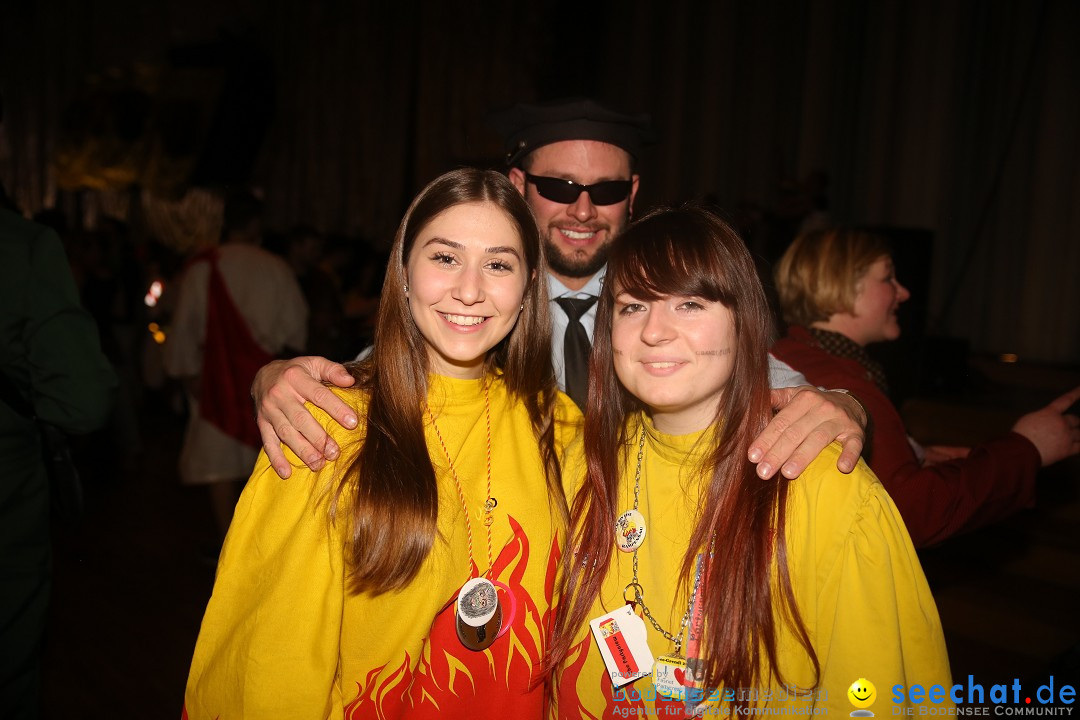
527,127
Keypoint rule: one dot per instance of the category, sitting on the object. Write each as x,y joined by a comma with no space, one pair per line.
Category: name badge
621,637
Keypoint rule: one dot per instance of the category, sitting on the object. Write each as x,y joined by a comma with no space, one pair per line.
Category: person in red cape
238,307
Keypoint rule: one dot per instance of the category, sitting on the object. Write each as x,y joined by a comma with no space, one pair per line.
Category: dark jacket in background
50,351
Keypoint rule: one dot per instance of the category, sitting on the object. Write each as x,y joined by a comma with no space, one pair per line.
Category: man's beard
574,264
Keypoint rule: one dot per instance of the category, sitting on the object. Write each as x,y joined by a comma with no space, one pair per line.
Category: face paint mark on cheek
715,353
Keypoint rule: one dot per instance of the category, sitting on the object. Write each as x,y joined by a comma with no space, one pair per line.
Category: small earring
406,288
522,306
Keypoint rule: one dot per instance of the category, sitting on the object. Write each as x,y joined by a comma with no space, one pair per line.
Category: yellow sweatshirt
283,635
857,580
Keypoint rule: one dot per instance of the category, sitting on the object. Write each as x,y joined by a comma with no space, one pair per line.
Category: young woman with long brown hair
414,575
770,592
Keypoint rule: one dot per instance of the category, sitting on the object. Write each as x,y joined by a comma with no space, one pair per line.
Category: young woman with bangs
749,593
413,576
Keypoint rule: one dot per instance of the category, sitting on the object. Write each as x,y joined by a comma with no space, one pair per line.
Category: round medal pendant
479,614
630,531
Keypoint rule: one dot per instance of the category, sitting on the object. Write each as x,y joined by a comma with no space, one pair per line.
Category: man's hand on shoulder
280,390
808,420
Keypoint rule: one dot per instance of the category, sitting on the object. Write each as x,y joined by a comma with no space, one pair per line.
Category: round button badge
630,531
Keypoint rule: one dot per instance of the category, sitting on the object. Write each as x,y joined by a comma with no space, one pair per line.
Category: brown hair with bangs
820,271
390,485
689,251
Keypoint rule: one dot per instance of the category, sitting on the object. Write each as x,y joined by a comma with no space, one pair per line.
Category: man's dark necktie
576,348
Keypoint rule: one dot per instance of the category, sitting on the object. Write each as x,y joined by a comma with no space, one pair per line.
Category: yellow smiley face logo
862,693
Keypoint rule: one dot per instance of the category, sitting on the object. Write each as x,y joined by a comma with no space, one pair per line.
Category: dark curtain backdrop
960,117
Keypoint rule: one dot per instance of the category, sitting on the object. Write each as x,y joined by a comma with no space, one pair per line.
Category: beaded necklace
479,611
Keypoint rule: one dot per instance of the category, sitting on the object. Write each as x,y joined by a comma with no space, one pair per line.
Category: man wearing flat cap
573,161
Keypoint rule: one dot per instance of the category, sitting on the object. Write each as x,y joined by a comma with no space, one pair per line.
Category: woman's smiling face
676,355
878,296
467,276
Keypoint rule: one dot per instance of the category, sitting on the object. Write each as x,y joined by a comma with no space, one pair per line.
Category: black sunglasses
558,190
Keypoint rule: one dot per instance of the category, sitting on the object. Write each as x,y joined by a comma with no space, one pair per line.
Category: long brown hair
690,251
391,481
